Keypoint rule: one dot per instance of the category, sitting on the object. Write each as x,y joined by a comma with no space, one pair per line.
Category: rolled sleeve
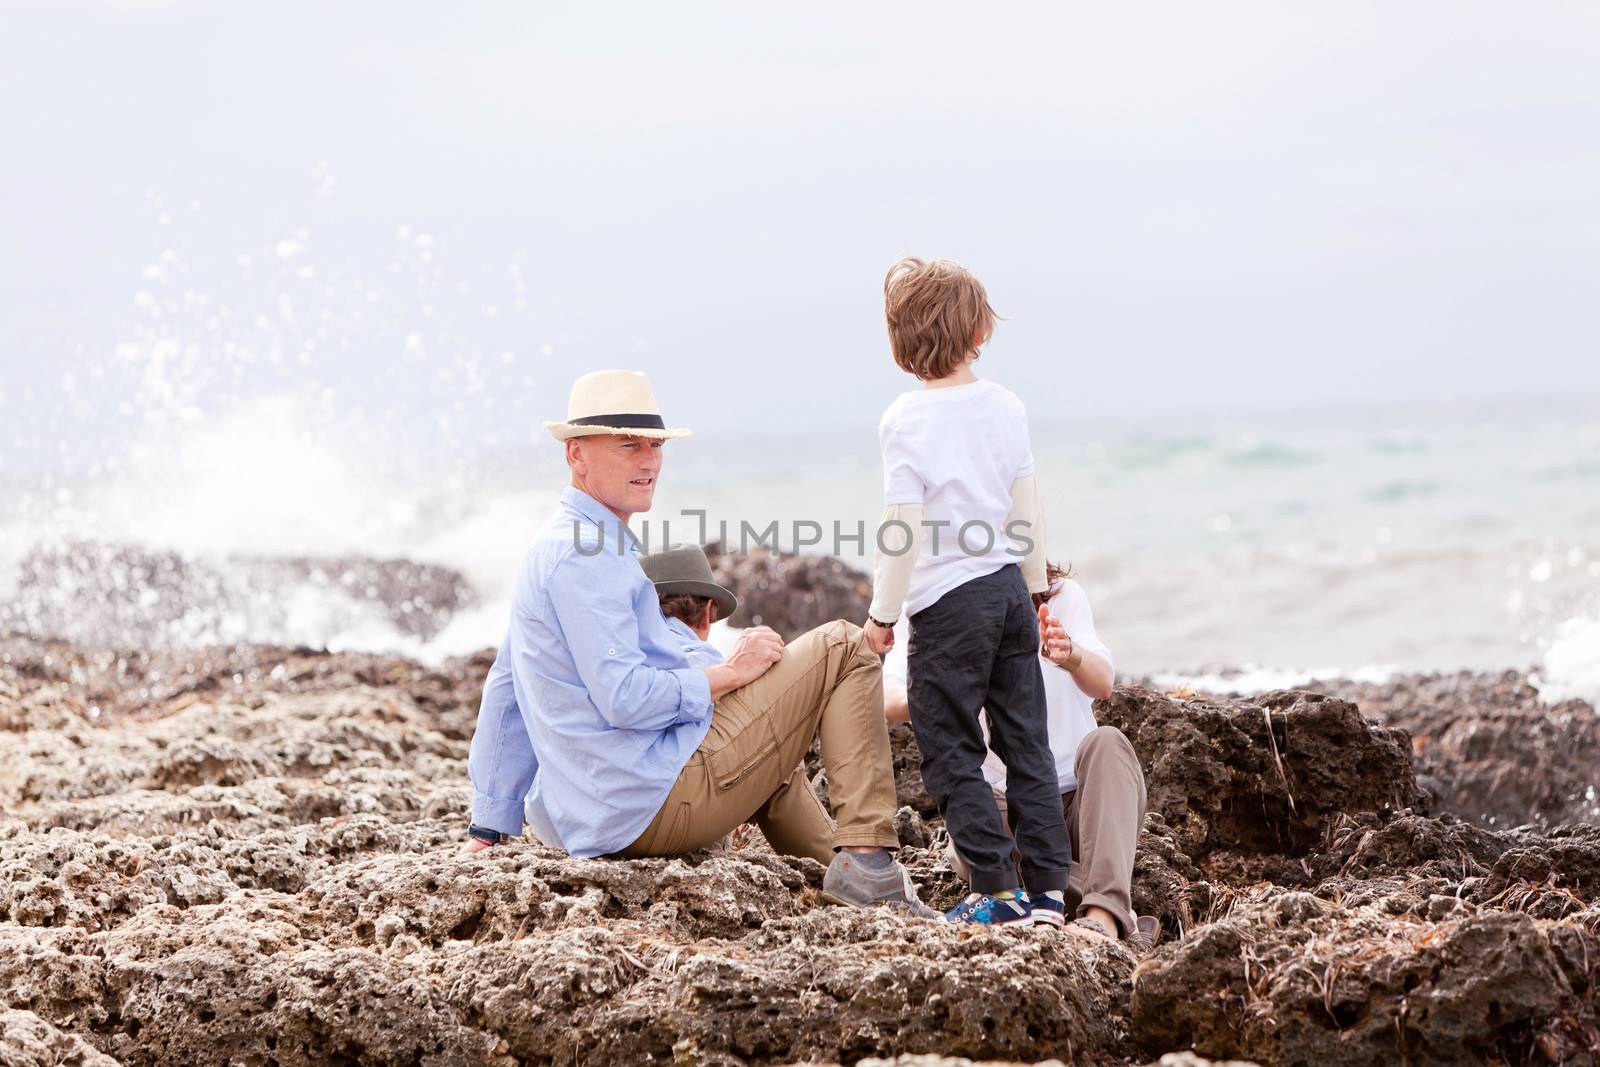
500,814
695,705
501,762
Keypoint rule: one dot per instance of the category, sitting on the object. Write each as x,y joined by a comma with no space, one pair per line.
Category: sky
442,214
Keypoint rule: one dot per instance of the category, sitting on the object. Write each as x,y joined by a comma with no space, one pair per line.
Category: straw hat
613,401
685,569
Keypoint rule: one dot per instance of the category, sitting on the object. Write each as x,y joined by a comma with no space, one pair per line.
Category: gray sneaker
852,883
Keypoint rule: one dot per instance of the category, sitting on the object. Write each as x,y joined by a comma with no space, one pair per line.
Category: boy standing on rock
959,481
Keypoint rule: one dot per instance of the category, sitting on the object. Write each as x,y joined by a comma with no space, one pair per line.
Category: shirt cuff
500,814
695,705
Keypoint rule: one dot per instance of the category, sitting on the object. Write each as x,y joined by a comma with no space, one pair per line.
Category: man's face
618,471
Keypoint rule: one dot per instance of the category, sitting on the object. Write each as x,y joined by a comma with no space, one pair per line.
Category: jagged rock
1368,846
824,984
1298,980
28,1041
1488,748
56,974
1549,876
911,828
143,598
253,855
244,982
790,593
934,1060
1223,780
1568,857
97,688
1166,882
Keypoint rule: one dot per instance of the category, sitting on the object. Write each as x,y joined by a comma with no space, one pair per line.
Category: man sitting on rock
611,737
1101,783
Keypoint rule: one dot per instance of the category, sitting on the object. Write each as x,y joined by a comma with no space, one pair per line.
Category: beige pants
1104,815
748,767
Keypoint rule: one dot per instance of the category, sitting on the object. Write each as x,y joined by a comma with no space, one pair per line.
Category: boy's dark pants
977,647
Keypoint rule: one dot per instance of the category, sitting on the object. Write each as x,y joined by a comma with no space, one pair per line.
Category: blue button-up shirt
595,701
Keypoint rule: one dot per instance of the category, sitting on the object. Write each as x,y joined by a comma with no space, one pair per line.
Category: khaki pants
1104,815
748,767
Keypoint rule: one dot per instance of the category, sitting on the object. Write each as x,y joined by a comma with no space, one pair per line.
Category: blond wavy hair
938,315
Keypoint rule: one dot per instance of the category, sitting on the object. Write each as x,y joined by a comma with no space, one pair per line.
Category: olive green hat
684,569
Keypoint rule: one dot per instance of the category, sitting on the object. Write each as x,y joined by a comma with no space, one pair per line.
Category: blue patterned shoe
1049,909
993,911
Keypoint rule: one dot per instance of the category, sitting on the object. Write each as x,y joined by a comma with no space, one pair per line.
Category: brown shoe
1144,935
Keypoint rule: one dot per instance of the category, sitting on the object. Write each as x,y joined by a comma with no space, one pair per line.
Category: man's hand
879,638
756,650
1055,644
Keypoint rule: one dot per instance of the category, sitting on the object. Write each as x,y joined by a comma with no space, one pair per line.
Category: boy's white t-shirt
1070,710
955,451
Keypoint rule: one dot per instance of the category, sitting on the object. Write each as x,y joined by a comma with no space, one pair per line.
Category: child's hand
879,638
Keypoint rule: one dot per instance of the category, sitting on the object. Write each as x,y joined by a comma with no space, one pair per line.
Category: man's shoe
993,911
1049,910
853,883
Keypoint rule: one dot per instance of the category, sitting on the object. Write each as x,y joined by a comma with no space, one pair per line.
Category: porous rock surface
1487,748
1292,978
28,1041
269,870
253,855
790,593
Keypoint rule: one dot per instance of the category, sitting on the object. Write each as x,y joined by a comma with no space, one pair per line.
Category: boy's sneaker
993,911
852,882
1050,909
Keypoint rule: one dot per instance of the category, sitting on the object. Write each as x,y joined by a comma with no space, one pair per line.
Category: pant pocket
744,754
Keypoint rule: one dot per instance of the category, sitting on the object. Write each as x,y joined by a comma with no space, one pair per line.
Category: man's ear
711,614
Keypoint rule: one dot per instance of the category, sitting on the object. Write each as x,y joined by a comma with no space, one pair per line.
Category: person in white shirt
959,481
1101,783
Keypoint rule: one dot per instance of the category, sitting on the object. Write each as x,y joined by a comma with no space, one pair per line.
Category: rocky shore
251,855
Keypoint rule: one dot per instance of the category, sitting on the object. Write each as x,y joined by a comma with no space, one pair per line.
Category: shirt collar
589,508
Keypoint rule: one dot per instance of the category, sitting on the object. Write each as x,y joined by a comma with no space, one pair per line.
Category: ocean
1241,550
